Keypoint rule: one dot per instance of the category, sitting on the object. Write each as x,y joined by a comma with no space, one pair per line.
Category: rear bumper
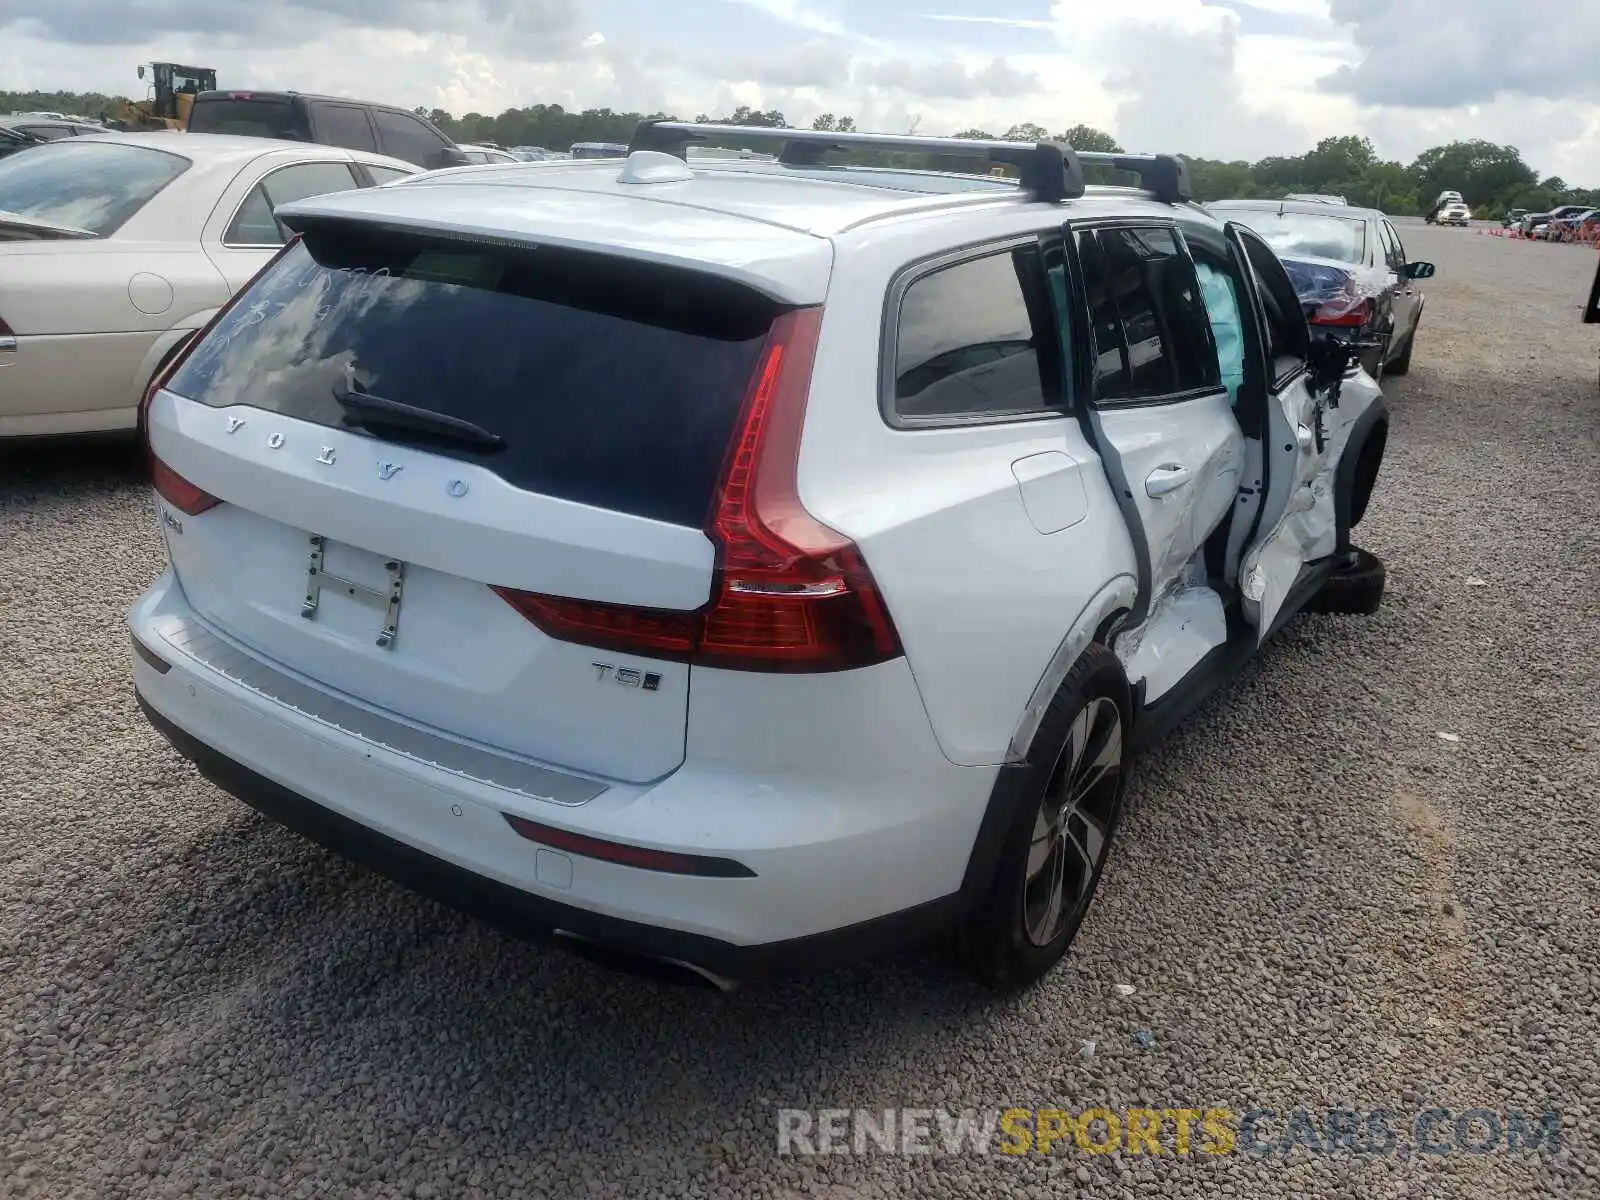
527,914
841,862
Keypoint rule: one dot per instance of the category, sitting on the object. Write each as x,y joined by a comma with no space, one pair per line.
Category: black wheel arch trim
1011,788
1371,427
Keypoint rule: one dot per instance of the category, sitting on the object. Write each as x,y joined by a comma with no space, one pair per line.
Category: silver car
116,248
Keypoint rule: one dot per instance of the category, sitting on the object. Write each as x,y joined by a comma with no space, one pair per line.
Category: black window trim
889,346
1399,246
222,239
1083,336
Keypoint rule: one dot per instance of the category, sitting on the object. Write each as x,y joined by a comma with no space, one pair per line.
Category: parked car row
1568,223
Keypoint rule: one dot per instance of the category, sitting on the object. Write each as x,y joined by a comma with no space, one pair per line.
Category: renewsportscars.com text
1180,1132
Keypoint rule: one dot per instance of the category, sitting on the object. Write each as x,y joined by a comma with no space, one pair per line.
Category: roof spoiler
1052,171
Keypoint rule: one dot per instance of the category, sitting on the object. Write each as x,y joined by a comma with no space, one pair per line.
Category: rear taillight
789,594
1349,312
178,491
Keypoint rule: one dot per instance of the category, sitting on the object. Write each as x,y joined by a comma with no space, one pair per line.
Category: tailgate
363,533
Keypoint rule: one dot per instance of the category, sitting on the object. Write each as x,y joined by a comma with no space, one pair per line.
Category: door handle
1168,477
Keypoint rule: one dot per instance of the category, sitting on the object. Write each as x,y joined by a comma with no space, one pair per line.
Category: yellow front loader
174,88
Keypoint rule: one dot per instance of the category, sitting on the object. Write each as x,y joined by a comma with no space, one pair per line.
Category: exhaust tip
643,966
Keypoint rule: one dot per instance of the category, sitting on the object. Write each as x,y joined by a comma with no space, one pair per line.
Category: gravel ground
1319,900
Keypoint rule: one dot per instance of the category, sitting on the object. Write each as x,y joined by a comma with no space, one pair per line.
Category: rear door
345,125
1296,525
362,537
1161,417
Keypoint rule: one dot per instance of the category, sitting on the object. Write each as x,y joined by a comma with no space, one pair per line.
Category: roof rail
1050,170
1164,176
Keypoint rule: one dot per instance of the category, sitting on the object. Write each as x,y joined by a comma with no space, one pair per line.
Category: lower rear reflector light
160,665
629,856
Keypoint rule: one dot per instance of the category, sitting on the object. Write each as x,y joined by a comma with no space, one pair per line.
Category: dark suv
329,120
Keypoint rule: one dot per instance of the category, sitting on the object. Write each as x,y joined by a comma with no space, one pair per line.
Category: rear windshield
1343,239
96,186
259,116
611,383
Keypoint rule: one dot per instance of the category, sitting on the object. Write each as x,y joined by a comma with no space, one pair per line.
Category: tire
1355,588
1402,365
1077,772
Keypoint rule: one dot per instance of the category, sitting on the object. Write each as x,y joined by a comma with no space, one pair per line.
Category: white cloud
1221,78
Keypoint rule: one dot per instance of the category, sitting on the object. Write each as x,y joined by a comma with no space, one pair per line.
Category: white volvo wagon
743,564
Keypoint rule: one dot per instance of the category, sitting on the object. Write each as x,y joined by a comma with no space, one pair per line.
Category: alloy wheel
1071,831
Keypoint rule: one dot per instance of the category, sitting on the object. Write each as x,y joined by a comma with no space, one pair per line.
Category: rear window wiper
371,412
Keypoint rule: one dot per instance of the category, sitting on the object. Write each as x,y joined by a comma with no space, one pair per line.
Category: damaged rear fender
1099,614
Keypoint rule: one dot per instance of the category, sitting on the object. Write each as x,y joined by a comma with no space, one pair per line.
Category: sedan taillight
1344,312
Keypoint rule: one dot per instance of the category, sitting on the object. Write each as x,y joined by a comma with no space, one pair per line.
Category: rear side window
1152,337
257,116
612,383
408,138
976,340
345,125
254,224
383,175
1397,252
96,186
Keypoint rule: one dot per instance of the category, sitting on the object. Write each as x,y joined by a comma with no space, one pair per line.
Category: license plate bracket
387,599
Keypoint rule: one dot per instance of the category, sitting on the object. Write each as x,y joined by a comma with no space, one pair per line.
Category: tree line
1491,177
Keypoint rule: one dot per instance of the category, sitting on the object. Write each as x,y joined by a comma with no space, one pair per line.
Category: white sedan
115,248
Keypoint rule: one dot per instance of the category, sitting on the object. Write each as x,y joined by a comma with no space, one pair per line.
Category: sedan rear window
94,186
1342,239
604,381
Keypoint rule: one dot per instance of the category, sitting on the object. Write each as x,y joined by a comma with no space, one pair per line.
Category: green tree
1027,132
1213,180
977,135
832,124
1483,172
745,115
1090,139
1336,161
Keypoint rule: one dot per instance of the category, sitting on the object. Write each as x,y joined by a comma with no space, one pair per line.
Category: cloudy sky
1219,78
